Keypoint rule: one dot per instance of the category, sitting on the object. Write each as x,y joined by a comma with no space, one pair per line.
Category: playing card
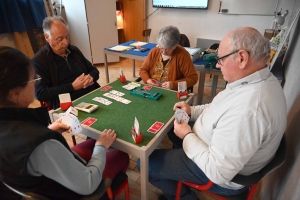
136,126
73,122
147,87
72,110
63,98
129,86
89,121
156,82
155,127
181,115
105,88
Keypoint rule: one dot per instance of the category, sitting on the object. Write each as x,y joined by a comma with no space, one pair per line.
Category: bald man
62,66
237,133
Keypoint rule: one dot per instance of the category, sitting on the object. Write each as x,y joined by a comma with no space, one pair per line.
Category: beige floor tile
132,164
135,188
150,186
132,175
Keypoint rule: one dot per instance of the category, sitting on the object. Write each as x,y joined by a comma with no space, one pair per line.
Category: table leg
106,68
133,67
201,83
214,86
144,174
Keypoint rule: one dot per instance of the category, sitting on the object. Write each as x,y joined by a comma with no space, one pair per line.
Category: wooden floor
133,173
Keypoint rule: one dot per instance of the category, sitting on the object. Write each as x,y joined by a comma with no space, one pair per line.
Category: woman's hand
106,138
167,85
152,82
59,127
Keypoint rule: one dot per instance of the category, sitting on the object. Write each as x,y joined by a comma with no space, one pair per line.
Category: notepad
138,44
120,48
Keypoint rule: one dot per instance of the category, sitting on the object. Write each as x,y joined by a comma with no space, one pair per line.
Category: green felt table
120,116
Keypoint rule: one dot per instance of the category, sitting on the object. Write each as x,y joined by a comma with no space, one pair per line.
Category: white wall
207,24
6,39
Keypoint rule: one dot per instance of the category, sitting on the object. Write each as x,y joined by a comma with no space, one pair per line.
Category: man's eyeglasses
36,81
220,58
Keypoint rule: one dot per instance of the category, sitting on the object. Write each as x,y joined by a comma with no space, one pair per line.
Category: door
102,27
134,19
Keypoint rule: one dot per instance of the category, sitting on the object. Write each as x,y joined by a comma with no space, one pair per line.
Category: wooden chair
97,194
146,33
251,180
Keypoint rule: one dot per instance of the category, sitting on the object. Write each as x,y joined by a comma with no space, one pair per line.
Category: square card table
134,55
120,117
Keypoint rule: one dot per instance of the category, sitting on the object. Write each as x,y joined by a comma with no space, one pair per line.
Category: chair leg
127,195
74,140
178,190
110,193
251,192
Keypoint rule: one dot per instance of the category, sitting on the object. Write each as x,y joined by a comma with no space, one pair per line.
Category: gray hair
48,21
252,41
168,37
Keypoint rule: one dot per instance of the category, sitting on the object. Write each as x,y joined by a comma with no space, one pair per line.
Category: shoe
162,197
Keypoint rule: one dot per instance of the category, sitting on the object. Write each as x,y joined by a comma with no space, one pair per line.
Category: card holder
137,138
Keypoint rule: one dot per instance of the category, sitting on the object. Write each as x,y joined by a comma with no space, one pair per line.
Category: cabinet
93,26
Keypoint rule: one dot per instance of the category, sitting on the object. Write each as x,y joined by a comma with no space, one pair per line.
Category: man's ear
243,58
46,37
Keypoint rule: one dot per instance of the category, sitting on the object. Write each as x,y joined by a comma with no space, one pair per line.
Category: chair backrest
146,33
278,160
184,41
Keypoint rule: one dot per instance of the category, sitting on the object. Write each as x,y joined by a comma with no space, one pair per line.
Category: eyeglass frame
36,79
218,59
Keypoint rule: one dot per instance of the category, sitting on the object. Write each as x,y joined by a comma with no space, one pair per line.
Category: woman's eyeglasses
36,81
219,59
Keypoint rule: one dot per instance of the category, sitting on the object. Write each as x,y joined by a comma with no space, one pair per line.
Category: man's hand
183,106
59,127
167,85
78,83
88,81
181,129
106,138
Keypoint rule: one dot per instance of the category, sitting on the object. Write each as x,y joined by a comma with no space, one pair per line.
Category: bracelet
186,135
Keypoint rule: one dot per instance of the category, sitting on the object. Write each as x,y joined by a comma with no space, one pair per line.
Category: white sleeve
197,110
234,141
53,160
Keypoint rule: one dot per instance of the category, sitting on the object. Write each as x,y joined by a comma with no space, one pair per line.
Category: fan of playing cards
181,115
70,118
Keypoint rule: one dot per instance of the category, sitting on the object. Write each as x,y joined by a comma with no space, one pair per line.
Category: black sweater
58,73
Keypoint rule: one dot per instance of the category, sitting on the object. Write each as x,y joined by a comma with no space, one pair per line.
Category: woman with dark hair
33,154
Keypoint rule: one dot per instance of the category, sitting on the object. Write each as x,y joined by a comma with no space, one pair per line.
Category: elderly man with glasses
169,63
62,66
237,133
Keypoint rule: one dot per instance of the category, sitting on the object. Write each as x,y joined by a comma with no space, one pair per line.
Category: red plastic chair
251,181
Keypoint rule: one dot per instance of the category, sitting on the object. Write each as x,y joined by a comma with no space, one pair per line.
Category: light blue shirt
53,160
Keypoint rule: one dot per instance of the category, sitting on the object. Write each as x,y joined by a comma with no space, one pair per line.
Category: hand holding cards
72,121
181,115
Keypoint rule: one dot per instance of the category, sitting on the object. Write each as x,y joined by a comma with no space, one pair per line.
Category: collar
256,77
39,115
